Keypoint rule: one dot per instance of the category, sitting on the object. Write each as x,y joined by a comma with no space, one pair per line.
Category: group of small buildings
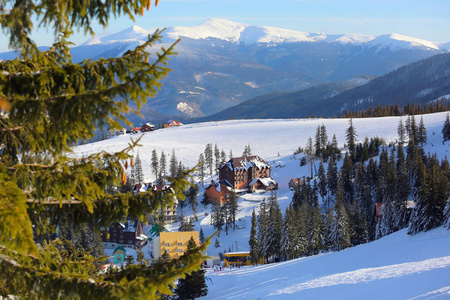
147,127
241,174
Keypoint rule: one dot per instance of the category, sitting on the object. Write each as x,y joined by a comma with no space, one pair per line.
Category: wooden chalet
128,234
172,123
218,191
241,171
147,127
295,182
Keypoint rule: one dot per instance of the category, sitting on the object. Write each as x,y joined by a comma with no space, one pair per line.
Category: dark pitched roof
245,162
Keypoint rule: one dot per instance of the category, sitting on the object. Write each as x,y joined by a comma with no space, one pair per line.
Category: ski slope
398,266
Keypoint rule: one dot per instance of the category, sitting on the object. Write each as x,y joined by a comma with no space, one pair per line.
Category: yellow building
175,243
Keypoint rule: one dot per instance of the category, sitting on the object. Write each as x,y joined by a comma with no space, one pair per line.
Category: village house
247,174
147,127
218,191
295,182
172,123
128,234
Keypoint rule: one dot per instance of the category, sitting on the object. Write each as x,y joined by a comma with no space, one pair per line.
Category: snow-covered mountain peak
398,41
213,28
133,33
236,32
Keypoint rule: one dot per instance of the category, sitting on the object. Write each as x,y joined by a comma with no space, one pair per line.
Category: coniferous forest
377,190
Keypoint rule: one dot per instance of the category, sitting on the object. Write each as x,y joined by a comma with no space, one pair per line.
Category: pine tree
350,139
155,164
274,228
422,133
430,203
173,165
216,157
232,207
194,284
253,242
217,216
262,235
446,129
359,233
223,158
315,231
340,228
202,236
209,158
42,95
401,133
322,181
402,192
162,168
332,177
138,172
201,167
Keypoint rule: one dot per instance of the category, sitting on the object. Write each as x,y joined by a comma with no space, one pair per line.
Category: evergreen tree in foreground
194,285
253,242
41,97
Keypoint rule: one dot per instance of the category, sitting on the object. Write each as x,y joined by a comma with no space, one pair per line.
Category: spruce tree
173,165
262,235
350,138
422,133
253,242
201,167
274,228
50,103
194,284
155,164
209,158
446,129
430,203
340,227
202,236
322,181
332,176
138,172
402,192
162,168
401,133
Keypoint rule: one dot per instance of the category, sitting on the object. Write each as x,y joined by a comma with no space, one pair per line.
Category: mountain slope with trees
417,83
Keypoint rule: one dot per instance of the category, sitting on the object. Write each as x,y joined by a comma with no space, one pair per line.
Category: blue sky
425,19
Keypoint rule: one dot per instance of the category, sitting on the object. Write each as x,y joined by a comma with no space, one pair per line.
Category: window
168,250
180,244
121,241
130,242
121,236
167,244
114,230
180,250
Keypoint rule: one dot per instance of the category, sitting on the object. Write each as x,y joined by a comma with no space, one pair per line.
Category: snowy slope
395,267
385,269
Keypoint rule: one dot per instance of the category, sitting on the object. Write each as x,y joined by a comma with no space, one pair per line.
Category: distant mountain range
419,82
222,63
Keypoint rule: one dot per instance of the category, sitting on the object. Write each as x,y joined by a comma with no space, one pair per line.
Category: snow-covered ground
395,267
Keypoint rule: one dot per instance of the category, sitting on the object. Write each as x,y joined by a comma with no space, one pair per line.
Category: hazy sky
425,19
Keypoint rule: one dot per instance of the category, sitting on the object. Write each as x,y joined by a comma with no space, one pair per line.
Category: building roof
297,181
121,248
265,181
173,123
245,162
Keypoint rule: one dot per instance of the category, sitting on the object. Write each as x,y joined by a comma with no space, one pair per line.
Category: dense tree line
440,105
412,188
